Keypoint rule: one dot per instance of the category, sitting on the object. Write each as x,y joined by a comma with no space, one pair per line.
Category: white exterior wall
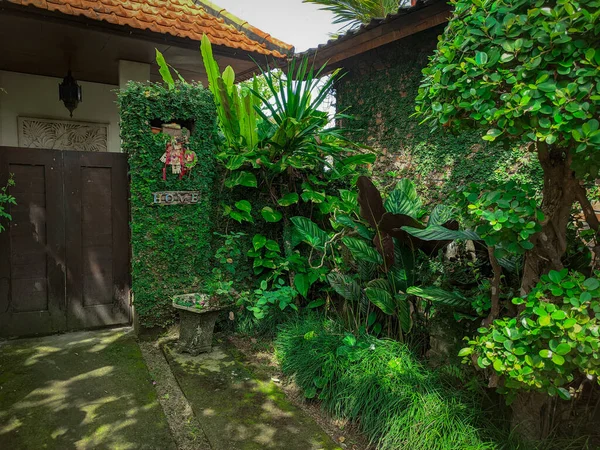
37,96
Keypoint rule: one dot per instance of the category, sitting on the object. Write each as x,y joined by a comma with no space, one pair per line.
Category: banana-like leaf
381,298
358,227
362,249
310,232
439,233
441,296
345,286
370,202
380,283
164,71
404,199
384,244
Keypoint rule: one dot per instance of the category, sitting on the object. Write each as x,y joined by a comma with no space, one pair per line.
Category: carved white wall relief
63,134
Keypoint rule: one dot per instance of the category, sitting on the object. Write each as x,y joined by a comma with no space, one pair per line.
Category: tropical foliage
311,231
529,72
352,13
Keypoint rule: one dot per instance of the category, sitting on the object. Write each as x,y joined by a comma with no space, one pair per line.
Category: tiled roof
180,18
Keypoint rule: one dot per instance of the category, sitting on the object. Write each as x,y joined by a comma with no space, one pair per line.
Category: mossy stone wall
379,89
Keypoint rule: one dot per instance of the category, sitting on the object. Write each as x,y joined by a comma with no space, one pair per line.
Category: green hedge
171,245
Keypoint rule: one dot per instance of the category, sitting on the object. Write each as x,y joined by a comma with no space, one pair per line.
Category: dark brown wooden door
64,257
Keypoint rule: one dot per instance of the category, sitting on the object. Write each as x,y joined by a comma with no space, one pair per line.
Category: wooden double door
64,256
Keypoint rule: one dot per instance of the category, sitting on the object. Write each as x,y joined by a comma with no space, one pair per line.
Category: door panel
97,239
32,253
64,258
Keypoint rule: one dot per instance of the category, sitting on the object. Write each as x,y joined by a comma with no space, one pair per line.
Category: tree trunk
531,412
561,189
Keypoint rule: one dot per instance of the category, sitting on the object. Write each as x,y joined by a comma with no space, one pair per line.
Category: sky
300,24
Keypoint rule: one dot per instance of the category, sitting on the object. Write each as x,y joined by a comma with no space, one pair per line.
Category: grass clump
397,402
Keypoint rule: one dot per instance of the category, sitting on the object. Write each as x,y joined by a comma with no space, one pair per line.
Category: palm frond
353,13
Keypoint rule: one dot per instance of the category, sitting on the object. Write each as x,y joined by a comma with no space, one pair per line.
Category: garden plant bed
260,356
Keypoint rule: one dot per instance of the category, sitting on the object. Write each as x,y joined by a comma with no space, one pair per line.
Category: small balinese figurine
176,154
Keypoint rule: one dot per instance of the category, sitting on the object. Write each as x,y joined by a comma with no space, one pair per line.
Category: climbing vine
379,90
170,244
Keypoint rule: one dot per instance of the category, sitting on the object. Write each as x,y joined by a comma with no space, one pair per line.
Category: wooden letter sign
176,197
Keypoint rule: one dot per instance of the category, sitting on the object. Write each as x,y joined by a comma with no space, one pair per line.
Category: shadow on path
240,410
88,390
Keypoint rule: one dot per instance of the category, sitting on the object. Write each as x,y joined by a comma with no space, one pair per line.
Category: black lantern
69,92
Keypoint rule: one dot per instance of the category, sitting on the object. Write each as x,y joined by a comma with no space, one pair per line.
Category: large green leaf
244,205
235,162
358,227
440,215
366,270
310,232
270,214
258,241
302,283
404,200
345,286
404,313
362,250
441,296
164,70
288,199
381,298
439,233
361,159
241,178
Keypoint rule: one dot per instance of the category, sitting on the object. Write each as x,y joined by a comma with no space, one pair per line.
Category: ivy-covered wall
379,89
171,245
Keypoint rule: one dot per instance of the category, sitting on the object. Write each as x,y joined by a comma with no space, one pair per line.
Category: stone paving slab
239,410
88,390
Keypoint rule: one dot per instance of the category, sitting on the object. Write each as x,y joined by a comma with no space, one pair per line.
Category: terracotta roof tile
180,18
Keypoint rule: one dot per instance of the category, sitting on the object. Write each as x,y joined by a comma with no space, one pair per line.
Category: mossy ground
88,390
239,409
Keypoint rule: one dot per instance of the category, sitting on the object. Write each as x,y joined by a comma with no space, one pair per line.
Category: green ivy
380,91
171,245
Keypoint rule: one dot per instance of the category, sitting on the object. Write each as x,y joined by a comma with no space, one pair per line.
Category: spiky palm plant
353,13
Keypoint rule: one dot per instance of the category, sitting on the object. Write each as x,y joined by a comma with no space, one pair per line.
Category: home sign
176,197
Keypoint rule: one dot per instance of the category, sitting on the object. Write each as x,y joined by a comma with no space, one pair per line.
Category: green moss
170,244
242,409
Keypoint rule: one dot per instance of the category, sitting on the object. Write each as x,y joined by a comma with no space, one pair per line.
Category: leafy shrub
552,342
378,383
6,199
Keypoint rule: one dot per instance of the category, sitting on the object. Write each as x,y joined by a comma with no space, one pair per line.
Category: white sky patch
302,25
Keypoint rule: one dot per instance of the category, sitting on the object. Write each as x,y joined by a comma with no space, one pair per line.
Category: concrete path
241,410
88,390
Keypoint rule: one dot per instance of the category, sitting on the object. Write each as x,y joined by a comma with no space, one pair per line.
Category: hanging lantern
69,92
